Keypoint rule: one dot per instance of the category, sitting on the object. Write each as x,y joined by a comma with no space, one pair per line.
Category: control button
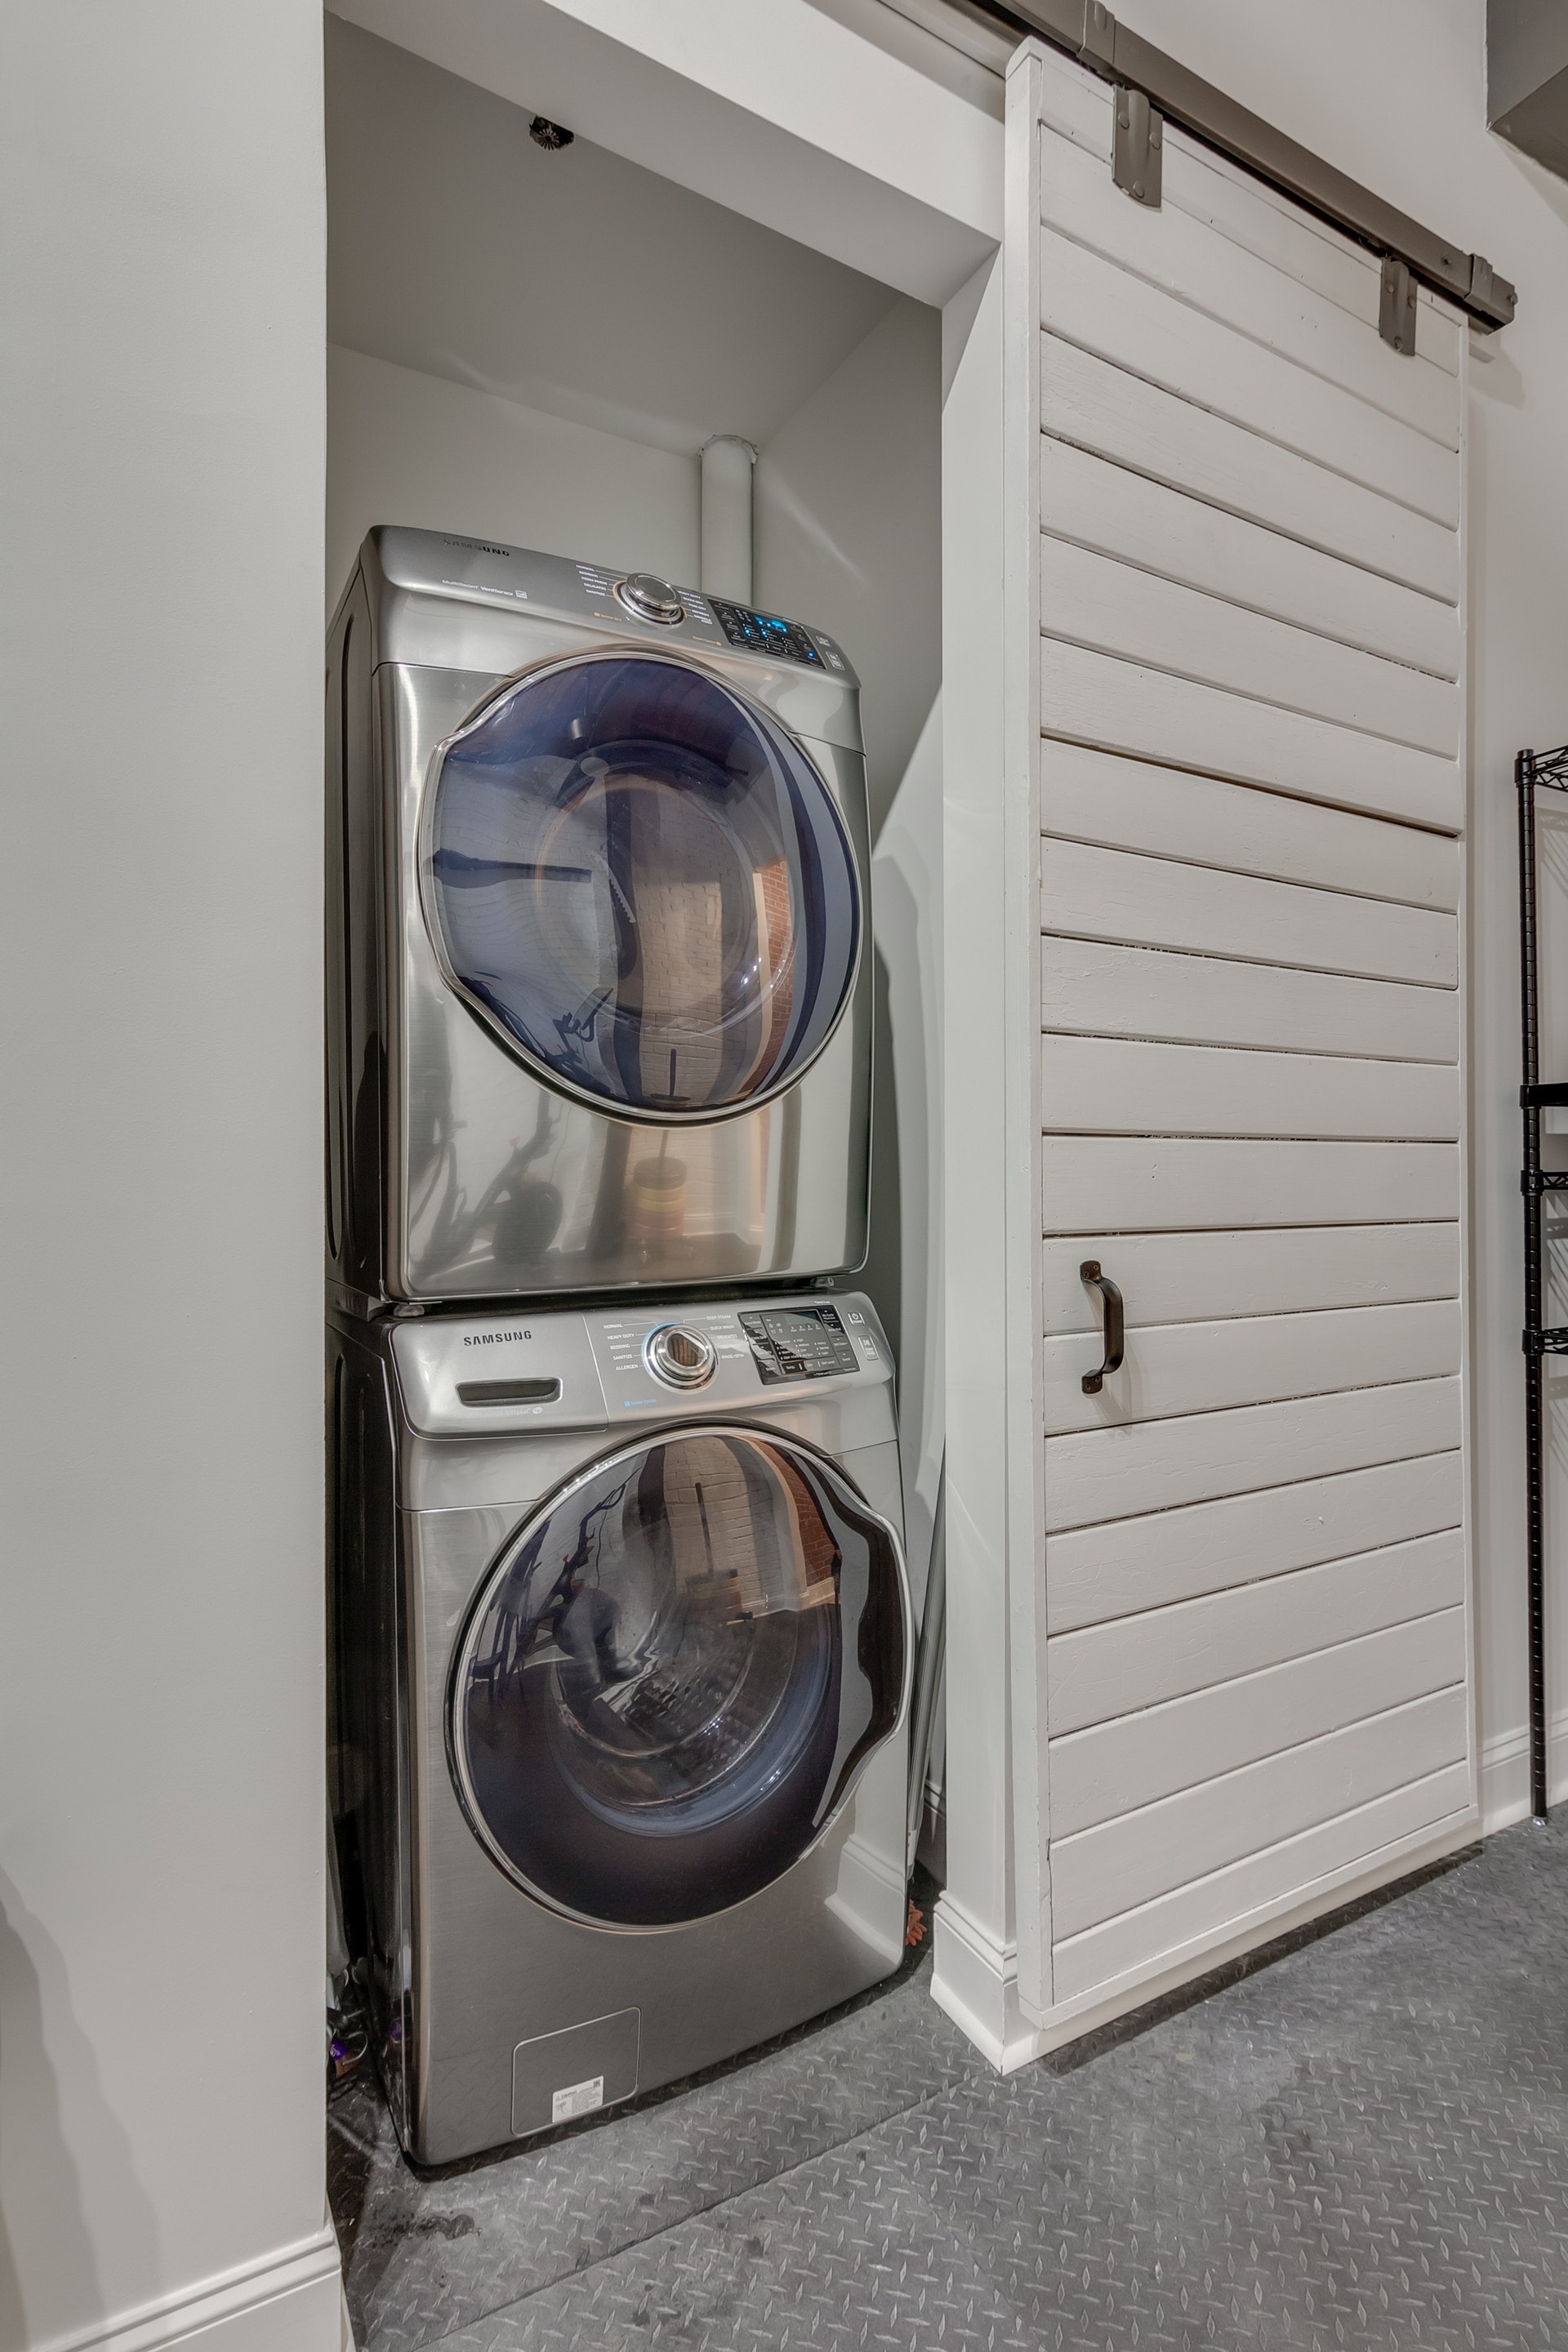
651,599
682,1359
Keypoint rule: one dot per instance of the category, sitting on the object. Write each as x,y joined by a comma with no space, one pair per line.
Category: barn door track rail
1155,88
1532,772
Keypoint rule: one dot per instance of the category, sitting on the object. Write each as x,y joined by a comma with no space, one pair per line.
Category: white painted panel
1128,1086
1090,598
1178,250
1097,505
1088,301
1158,902
1157,1465
1183,1368
1115,1667
1118,705
1104,408
1152,1184
1191,1917
1248,695
1113,1768
1099,988
1130,1565
1110,1868
1087,795
1203,1277
1251,213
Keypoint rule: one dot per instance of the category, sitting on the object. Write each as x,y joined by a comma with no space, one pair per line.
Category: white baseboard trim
1505,1772
288,2301
869,1897
1333,1892
975,1981
975,1978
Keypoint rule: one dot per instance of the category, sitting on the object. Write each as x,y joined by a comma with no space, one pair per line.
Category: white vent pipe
727,463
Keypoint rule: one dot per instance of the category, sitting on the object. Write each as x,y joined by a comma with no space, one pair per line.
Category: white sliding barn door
1236,620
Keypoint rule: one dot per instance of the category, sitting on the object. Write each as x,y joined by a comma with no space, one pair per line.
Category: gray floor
1365,2143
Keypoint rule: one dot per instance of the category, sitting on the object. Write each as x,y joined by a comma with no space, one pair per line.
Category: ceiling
1527,78
574,283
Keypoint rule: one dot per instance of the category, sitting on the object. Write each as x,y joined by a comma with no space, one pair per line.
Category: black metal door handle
1089,1271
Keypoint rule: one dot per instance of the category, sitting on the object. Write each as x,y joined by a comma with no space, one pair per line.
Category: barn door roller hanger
1152,87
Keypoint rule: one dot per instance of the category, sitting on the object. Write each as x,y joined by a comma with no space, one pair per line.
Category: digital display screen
765,633
794,1343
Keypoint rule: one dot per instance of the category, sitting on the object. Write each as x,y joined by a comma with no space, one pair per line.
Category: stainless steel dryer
599,988
622,1644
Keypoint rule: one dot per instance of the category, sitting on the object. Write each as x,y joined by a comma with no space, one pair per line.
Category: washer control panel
680,1357
799,1343
516,1371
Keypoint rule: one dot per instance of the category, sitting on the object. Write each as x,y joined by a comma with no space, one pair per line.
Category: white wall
848,507
1324,75
573,281
161,1825
407,447
847,518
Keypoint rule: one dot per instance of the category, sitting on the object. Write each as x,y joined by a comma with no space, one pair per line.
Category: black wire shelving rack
1535,771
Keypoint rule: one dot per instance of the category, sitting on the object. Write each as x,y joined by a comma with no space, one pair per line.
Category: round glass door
674,1675
641,885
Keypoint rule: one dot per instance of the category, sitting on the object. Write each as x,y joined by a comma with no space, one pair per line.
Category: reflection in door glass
643,883
657,1707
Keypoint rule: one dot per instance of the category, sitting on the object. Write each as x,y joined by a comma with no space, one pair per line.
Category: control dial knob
651,599
682,1357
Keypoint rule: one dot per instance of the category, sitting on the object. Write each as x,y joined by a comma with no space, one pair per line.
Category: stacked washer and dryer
620,1622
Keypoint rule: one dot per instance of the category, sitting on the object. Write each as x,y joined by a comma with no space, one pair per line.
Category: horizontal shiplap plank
1090,301
1206,1277
1160,1183
1249,213
1100,406
1113,1667
1113,1768
1123,705
1127,1085
1096,1474
1124,1567
1094,504
1183,254
1134,900
1206,1913
1111,1868
1183,1368
1096,988
1088,598
1128,899
1090,795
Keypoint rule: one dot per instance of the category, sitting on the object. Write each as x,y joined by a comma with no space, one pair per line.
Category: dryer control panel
766,633
641,605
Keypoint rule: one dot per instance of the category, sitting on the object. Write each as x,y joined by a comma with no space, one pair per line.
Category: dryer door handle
1090,1272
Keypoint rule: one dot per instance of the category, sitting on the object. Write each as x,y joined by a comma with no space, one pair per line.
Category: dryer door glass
642,885
674,1675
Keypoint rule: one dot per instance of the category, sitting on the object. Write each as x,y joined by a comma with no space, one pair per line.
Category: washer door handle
1090,1272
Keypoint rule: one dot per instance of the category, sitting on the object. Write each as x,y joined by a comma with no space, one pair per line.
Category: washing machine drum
674,1675
642,887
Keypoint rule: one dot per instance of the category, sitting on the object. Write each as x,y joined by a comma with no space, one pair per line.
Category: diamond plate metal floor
1363,2144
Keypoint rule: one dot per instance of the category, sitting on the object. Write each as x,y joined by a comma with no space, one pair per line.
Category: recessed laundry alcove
532,345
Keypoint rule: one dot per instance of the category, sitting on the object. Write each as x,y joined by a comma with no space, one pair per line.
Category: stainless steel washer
599,980
622,1645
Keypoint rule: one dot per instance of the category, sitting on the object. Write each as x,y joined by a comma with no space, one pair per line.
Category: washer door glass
641,884
674,1675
